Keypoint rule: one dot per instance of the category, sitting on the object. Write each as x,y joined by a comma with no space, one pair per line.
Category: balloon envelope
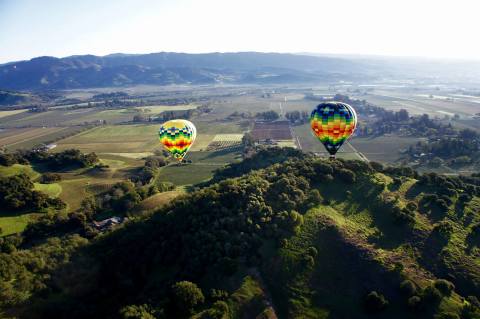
333,123
177,136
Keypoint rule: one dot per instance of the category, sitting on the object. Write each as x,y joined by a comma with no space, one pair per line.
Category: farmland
122,145
279,130
222,141
10,113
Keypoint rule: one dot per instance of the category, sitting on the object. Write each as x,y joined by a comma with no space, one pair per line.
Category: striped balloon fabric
177,136
333,123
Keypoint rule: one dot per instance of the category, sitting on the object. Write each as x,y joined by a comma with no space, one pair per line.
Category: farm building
108,223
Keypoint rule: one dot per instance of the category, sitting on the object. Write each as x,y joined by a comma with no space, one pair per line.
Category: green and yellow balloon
177,136
333,123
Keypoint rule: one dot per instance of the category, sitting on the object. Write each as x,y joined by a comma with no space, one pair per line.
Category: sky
422,28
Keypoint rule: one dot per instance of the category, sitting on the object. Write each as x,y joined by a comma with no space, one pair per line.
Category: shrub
471,309
137,312
312,251
447,315
219,310
375,302
463,198
414,302
408,287
403,216
444,286
186,296
376,166
308,261
346,175
218,294
48,178
432,294
443,229
412,206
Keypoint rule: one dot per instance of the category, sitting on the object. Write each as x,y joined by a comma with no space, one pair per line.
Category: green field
187,174
310,143
14,223
385,148
52,190
114,139
201,169
16,169
203,166
158,200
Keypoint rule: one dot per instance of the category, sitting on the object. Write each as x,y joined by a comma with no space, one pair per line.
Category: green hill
299,237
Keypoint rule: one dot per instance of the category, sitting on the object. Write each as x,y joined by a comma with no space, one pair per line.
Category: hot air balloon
177,136
333,123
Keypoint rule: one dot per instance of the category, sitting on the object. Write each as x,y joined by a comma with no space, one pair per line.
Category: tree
268,115
375,302
408,287
247,140
403,115
444,286
48,178
137,312
186,296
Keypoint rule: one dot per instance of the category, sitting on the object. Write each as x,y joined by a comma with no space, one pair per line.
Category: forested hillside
282,234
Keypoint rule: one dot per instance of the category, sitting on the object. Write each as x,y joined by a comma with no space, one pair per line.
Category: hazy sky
433,28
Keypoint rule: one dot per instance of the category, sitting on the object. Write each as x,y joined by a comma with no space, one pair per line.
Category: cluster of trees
71,158
17,193
243,115
111,95
149,171
157,265
267,115
298,116
461,148
173,114
48,178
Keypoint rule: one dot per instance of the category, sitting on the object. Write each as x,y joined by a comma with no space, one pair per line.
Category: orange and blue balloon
333,123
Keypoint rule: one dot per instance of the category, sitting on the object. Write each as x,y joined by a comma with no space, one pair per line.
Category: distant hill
164,68
82,71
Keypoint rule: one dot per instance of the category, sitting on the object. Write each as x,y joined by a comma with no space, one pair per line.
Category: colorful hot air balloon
177,136
333,123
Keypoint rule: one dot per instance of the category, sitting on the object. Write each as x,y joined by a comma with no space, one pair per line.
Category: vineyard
225,141
279,130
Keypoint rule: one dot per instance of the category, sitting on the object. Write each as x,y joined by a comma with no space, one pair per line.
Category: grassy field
12,112
202,168
44,136
114,139
140,138
157,109
187,174
73,192
158,200
384,148
11,224
16,169
27,135
52,190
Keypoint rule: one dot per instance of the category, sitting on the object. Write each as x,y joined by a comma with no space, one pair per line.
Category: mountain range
164,68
